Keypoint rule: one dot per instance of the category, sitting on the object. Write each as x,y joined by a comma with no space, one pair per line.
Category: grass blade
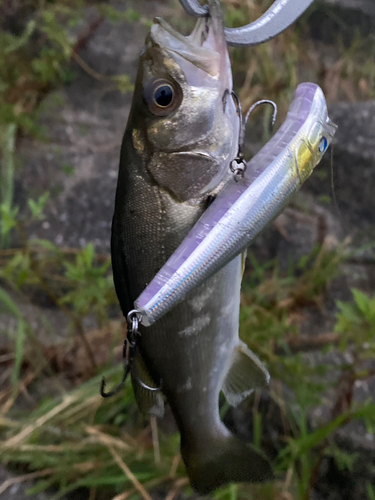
7,174
9,304
18,355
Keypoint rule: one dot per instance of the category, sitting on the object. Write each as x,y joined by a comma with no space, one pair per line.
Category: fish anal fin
149,401
246,373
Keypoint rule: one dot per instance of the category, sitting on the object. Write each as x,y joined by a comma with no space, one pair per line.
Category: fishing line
334,198
155,439
335,186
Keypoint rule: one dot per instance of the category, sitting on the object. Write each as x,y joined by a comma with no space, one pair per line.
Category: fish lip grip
276,19
243,209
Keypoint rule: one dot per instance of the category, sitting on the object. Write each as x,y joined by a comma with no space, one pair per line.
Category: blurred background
308,300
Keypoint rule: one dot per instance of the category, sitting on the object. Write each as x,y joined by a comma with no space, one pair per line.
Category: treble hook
255,105
238,165
130,347
276,19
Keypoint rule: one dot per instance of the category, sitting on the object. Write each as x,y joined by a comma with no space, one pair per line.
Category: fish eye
162,97
323,144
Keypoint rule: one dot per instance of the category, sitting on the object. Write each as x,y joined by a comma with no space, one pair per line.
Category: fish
245,206
181,135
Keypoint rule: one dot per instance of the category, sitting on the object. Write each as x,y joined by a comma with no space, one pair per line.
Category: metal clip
238,164
238,167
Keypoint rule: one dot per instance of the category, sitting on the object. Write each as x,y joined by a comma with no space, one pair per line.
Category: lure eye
323,144
162,97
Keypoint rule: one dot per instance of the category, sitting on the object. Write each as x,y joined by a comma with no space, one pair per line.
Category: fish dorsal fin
246,373
150,402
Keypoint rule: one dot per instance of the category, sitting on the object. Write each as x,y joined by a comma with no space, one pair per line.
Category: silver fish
244,208
175,154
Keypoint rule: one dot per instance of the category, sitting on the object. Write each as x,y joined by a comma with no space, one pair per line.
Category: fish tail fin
224,459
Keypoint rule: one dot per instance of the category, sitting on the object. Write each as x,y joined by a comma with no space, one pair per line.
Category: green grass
80,440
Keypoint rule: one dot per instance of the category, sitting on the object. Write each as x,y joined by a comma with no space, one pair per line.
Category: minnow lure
244,208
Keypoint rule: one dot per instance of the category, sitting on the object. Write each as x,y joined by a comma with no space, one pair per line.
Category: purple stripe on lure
243,209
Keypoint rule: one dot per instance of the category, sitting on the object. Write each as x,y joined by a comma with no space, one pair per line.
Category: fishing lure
244,208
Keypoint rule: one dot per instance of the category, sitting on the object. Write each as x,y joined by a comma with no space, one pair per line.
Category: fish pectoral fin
147,393
246,373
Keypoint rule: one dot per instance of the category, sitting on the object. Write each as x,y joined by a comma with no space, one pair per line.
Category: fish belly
189,349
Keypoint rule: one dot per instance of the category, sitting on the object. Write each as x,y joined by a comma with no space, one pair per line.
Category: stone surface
17,491
342,20
353,163
83,124
366,6
337,201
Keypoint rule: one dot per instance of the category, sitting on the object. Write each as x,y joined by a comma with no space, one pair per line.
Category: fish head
186,118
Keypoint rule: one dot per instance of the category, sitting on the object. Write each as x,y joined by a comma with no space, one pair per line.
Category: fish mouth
205,47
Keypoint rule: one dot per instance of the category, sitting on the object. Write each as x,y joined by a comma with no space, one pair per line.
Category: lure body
244,208
175,154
